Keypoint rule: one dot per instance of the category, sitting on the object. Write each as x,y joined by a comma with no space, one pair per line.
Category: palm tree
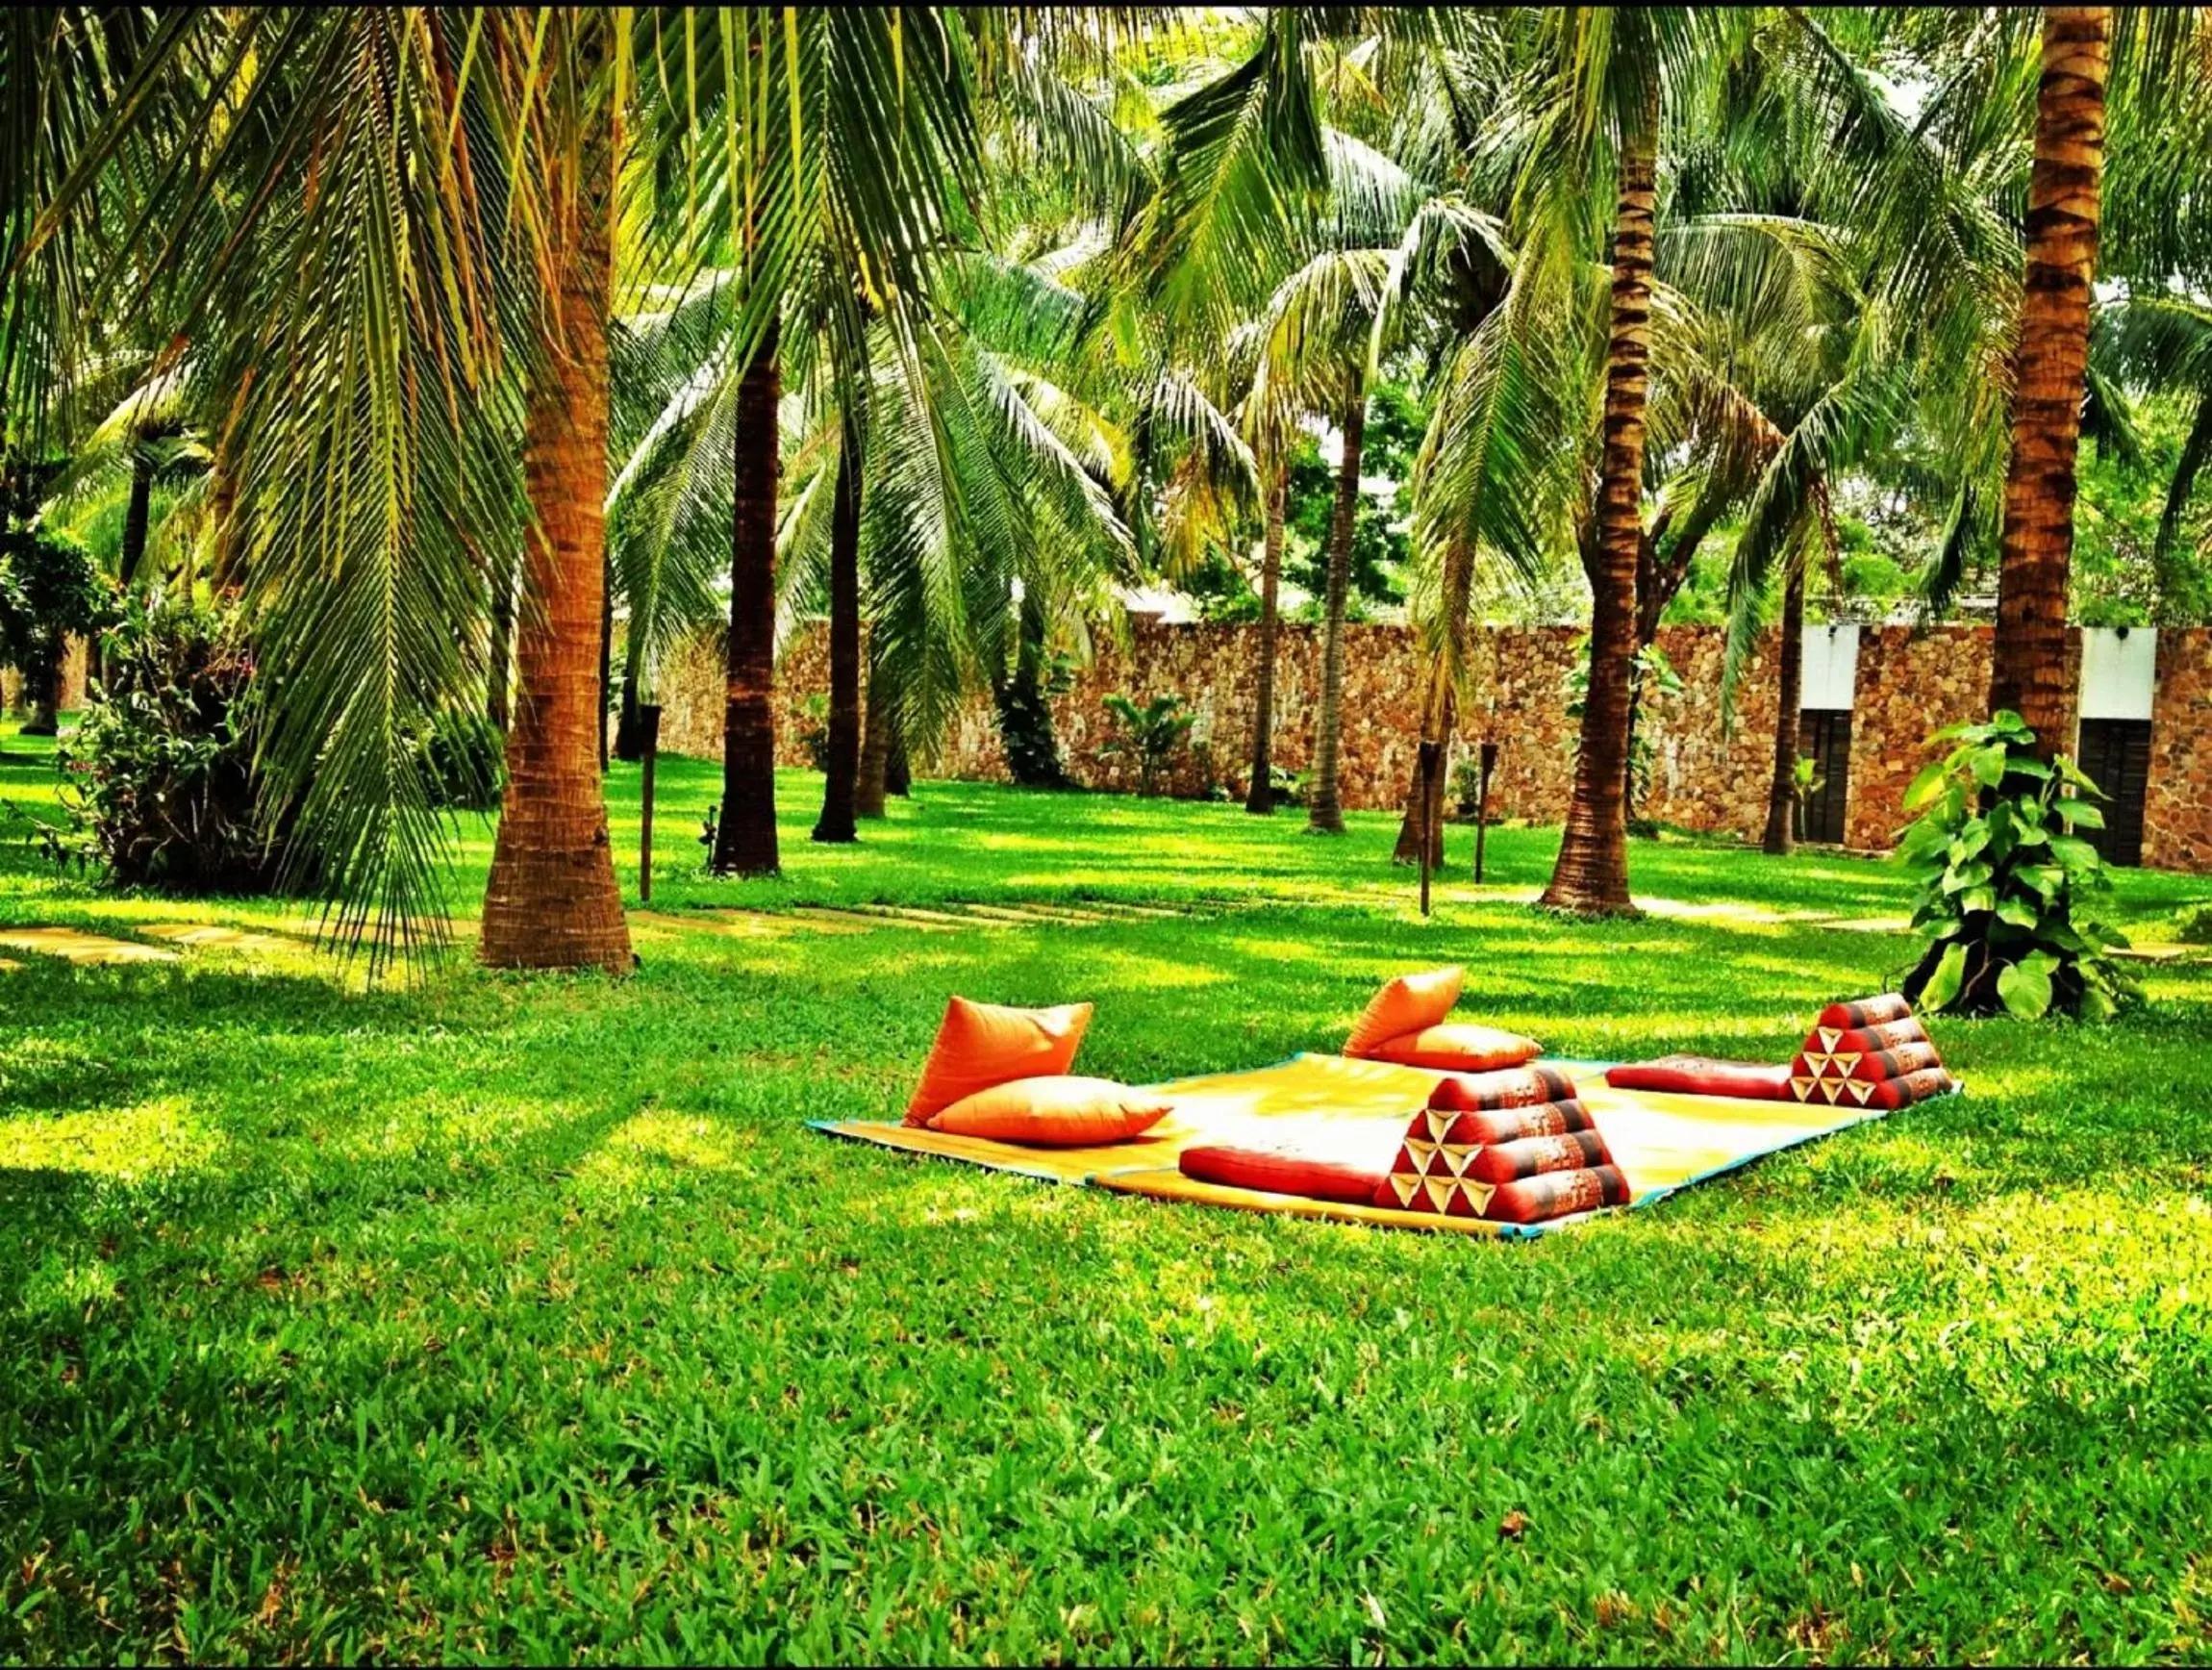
2030,670
1592,872
1260,795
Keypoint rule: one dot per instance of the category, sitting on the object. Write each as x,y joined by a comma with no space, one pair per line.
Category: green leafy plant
160,784
1149,735
2006,881
814,734
1805,781
2193,924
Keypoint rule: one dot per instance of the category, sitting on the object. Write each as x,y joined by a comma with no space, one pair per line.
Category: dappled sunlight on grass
530,1309
147,1139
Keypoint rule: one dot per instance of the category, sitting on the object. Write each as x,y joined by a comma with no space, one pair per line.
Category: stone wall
2177,811
1707,774
1909,684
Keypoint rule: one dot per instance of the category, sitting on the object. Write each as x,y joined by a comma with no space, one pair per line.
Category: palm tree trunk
1260,797
552,901
134,518
629,720
1789,699
42,687
498,696
223,511
2030,672
745,843
1324,814
897,774
874,748
840,780
1592,872
1440,712
606,652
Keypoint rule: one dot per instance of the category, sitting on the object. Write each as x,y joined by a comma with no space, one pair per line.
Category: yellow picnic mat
1359,1110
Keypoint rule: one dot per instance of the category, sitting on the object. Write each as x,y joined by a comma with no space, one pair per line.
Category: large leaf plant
2006,880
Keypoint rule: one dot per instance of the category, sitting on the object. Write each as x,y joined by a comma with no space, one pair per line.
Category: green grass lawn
523,1318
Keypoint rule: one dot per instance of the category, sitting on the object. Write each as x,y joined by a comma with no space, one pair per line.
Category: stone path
198,934
951,916
75,945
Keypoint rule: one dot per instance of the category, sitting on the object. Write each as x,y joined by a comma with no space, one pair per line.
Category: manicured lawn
524,1318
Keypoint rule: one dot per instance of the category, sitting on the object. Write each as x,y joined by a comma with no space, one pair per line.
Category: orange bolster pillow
1457,1046
1054,1111
980,1045
1405,1005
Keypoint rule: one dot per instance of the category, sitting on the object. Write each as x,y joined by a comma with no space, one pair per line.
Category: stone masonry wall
2178,810
1707,774
1909,684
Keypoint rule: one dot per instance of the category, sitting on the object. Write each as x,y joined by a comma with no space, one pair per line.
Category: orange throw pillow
981,1045
1458,1047
1406,1004
1054,1112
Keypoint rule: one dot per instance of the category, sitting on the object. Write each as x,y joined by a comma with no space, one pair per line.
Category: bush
161,785
813,736
465,762
49,588
2005,880
1149,735
2194,923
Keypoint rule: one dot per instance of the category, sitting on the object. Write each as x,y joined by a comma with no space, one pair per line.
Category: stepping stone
1136,912
1871,924
884,916
1033,915
915,915
207,933
73,945
7,966
735,924
2161,953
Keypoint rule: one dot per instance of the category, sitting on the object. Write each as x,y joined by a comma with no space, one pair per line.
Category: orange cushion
981,1045
1458,1047
1053,1111
1406,1004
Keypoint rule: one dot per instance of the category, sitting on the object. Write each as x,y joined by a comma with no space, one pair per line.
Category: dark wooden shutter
2116,754
1824,735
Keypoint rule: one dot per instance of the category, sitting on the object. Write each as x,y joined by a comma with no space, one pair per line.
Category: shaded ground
523,1318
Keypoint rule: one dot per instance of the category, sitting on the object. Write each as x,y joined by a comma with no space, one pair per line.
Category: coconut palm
524,165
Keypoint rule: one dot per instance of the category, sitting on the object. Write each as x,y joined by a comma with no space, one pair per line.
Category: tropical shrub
1149,735
49,588
465,762
161,785
2005,882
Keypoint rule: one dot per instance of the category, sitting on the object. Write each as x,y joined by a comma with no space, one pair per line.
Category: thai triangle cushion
1405,1005
980,1045
1054,1111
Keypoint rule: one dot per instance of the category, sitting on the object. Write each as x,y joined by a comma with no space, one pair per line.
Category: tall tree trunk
840,780
1260,797
43,686
553,902
1324,814
1440,710
1788,703
874,748
499,697
897,774
1026,733
629,721
1592,872
2031,673
134,518
606,653
746,842
223,512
